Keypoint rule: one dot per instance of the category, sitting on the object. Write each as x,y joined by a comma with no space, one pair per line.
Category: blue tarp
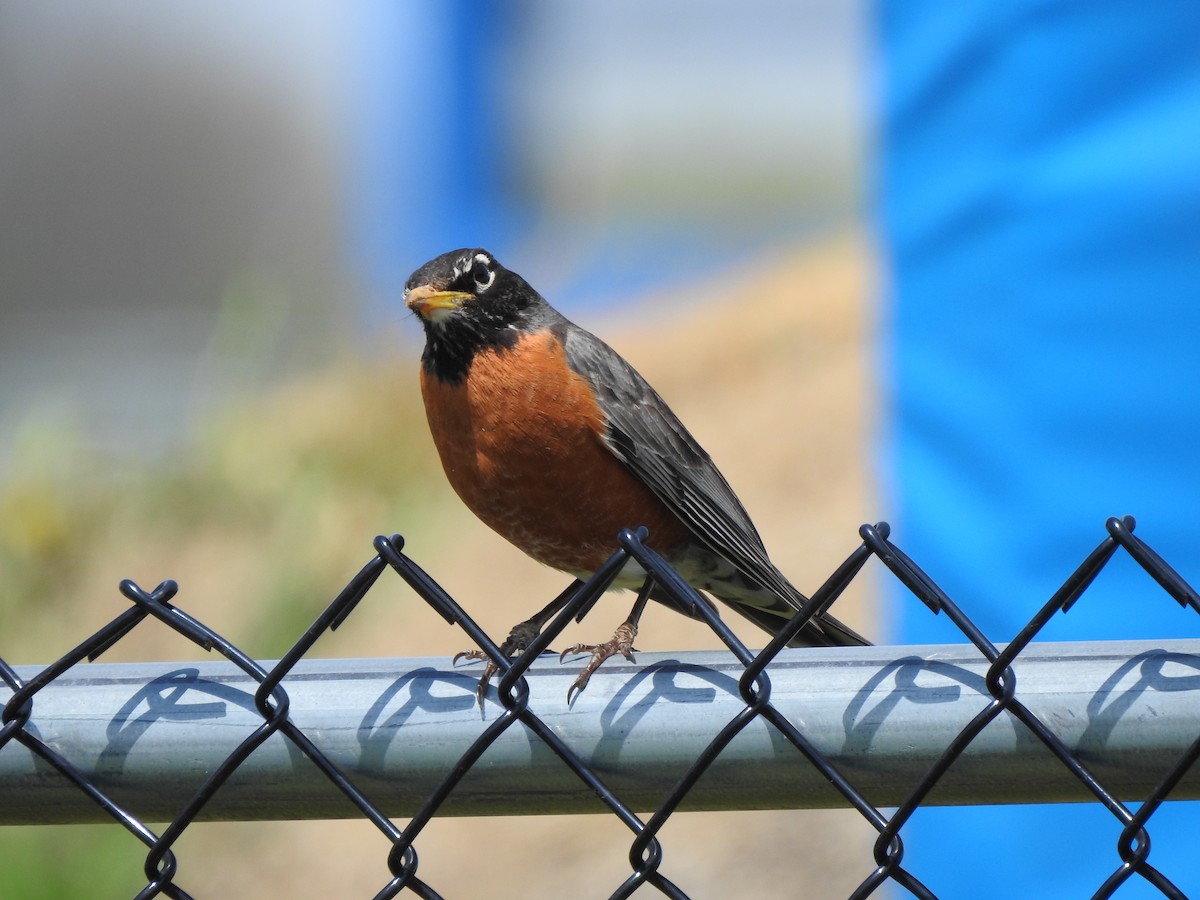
1038,192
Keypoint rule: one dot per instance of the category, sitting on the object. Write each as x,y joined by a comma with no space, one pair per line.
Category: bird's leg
520,637
621,642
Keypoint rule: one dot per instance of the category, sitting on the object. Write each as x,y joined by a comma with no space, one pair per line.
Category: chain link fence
812,703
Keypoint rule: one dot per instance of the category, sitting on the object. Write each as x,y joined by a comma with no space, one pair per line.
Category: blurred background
207,215
221,193
970,237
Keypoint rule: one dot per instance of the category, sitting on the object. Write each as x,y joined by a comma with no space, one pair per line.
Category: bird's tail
821,631
769,601
770,608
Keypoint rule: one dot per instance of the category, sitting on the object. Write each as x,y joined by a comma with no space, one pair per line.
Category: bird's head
468,303
467,289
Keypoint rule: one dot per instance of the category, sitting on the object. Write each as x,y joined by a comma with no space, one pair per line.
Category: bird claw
488,671
520,637
621,642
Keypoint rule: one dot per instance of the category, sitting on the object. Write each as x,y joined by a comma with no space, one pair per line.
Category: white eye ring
486,262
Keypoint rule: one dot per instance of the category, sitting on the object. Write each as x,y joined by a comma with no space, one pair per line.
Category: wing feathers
650,439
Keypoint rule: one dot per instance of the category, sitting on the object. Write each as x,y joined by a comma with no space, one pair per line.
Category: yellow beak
427,302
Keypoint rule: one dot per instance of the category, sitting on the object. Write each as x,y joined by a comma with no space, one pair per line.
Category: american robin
557,443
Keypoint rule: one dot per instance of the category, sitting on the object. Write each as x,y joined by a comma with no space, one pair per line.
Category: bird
557,443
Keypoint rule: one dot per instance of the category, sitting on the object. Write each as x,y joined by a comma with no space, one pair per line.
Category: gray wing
655,445
648,438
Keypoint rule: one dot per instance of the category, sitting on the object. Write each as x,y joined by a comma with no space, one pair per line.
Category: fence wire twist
646,852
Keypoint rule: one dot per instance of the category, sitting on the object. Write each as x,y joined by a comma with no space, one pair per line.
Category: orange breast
520,440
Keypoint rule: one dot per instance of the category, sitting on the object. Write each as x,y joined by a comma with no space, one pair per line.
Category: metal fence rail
148,732
871,727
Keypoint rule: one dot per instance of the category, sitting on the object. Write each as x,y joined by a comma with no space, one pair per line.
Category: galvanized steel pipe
147,734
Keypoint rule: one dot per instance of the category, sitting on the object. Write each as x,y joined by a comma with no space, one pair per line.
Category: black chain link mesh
646,852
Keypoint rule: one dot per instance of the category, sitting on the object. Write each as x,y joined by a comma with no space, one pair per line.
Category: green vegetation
275,498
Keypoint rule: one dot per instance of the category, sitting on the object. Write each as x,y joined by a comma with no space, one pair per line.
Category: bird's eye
482,275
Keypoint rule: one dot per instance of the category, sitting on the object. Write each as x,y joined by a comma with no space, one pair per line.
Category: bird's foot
488,671
622,643
520,637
